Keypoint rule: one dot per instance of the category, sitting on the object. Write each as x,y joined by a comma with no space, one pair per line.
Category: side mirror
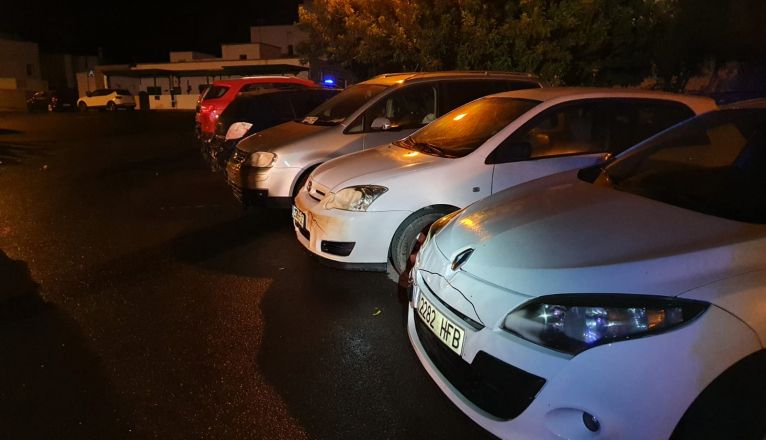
381,123
510,151
88,94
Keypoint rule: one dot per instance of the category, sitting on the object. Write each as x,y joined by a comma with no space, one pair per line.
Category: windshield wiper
427,146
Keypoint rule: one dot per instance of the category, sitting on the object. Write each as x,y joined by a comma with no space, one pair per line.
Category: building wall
180,56
20,60
285,37
249,51
20,73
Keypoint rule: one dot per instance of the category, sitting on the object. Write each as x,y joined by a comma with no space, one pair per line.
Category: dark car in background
216,97
251,112
53,101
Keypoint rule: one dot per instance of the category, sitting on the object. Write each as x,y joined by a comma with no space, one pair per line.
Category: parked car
476,150
53,101
624,301
106,99
273,165
214,100
251,112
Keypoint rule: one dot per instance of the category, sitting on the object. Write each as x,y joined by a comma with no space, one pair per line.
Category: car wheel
406,236
83,107
110,106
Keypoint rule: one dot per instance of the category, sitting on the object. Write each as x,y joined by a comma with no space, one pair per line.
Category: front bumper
217,151
636,389
277,182
370,232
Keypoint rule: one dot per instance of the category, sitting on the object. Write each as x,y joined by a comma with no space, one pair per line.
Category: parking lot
155,307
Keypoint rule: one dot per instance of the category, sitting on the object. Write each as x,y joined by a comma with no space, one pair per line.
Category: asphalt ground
138,300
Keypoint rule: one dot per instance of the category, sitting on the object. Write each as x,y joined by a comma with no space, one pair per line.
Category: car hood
375,165
280,135
563,235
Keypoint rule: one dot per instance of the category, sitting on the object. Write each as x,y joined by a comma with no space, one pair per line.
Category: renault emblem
461,258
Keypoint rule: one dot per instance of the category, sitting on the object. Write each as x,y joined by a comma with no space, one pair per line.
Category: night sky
140,30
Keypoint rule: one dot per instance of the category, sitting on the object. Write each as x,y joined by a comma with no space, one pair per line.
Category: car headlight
354,198
237,130
262,159
575,323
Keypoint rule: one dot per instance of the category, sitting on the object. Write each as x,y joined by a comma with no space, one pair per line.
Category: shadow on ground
15,153
51,385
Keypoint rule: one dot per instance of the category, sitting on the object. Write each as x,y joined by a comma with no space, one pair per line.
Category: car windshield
338,108
714,164
463,130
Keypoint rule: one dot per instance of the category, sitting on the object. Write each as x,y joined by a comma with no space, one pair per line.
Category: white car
625,301
364,208
108,99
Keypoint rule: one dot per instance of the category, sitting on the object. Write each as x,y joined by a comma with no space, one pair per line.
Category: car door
99,98
565,137
403,111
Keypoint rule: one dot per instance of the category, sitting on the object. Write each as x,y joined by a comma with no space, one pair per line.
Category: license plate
447,331
299,218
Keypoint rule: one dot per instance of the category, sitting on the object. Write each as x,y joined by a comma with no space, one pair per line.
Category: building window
29,69
242,56
289,50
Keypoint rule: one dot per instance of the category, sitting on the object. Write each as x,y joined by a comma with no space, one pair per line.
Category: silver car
272,165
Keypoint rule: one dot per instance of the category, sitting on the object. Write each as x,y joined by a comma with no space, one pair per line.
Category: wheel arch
731,405
436,208
302,177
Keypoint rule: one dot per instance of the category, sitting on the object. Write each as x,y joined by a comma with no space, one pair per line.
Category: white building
177,83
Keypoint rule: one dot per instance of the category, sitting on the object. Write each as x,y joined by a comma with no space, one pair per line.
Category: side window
457,93
570,129
634,121
410,107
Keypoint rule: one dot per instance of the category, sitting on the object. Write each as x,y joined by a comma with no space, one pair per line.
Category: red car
219,94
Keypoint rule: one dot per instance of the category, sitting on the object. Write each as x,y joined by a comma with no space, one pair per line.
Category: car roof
274,91
699,104
748,103
389,79
259,79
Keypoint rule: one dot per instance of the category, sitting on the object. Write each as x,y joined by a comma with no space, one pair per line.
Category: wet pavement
138,300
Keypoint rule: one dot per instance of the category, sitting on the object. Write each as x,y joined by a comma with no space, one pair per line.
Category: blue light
329,81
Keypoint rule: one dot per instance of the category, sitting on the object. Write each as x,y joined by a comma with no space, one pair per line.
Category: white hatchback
625,301
107,99
369,206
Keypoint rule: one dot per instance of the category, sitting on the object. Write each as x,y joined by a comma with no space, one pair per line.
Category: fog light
591,422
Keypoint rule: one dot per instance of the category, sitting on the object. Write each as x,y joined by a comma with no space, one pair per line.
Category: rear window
122,92
214,92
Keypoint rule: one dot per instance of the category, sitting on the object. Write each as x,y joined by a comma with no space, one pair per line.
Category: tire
405,237
110,106
83,107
